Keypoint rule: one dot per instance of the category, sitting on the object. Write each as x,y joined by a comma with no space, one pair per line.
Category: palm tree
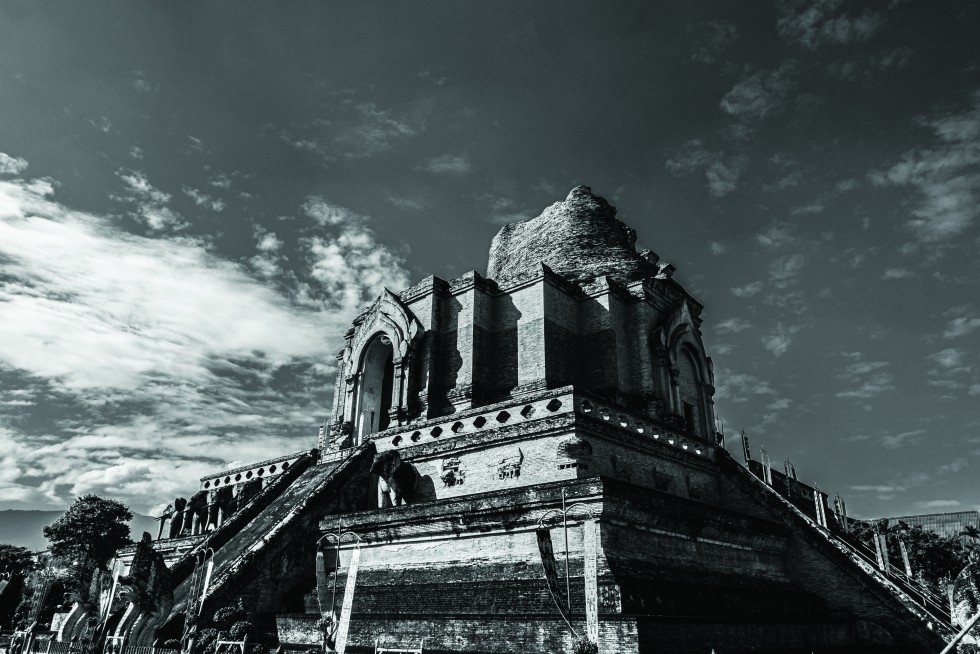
971,532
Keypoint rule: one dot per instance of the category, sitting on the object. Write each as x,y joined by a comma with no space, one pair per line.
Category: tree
93,527
15,562
15,559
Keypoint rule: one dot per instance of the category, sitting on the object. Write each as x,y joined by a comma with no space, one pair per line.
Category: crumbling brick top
579,238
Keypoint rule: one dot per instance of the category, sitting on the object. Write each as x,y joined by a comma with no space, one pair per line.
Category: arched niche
386,332
685,372
690,395
375,387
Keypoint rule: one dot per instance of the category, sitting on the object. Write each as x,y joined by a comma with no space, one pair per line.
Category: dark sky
196,198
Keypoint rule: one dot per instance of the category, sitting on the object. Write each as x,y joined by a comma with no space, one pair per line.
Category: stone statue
196,515
397,478
162,519
177,518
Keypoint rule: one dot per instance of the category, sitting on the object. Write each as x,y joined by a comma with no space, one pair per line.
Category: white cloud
949,359
150,202
810,24
721,172
883,488
748,290
897,273
717,248
737,387
732,325
173,360
945,177
894,441
12,165
779,340
348,265
937,504
203,200
448,164
777,235
961,326
864,379
759,94
355,130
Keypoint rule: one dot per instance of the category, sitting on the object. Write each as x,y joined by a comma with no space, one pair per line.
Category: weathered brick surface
579,238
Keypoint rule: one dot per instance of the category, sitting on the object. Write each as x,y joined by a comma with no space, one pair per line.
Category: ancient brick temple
467,414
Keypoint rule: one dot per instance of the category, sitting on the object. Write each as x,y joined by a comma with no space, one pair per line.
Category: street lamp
563,512
341,622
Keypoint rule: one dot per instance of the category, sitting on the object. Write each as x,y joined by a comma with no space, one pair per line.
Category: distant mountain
23,528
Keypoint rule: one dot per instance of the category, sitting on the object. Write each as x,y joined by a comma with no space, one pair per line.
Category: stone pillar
397,386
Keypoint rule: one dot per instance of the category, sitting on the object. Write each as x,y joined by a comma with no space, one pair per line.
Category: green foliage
240,630
92,526
15,559
227,616
584,646
935,560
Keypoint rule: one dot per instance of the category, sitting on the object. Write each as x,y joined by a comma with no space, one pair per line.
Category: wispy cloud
759,95
893,441
747,290
937,504
161,355
810,24
897,273
945,176
864,380
964,323
151,202
203,200
12,165
732,325
713,39
950,359
737,387
721,172
347,264
355,129
881,488
448,164
780,338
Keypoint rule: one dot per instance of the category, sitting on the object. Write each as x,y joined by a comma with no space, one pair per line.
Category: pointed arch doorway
375,388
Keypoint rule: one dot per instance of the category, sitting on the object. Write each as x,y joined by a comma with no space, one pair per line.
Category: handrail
930,606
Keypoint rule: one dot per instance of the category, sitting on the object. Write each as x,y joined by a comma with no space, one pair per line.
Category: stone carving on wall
452,475
575,448
510,467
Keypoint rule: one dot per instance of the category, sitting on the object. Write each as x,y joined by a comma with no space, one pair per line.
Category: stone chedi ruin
467,414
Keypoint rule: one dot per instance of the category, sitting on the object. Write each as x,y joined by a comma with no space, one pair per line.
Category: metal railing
931,605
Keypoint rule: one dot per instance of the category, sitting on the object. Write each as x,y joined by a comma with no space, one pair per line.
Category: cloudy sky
196,198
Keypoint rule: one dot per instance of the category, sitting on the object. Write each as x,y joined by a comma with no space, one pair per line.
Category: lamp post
340,626
565,510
